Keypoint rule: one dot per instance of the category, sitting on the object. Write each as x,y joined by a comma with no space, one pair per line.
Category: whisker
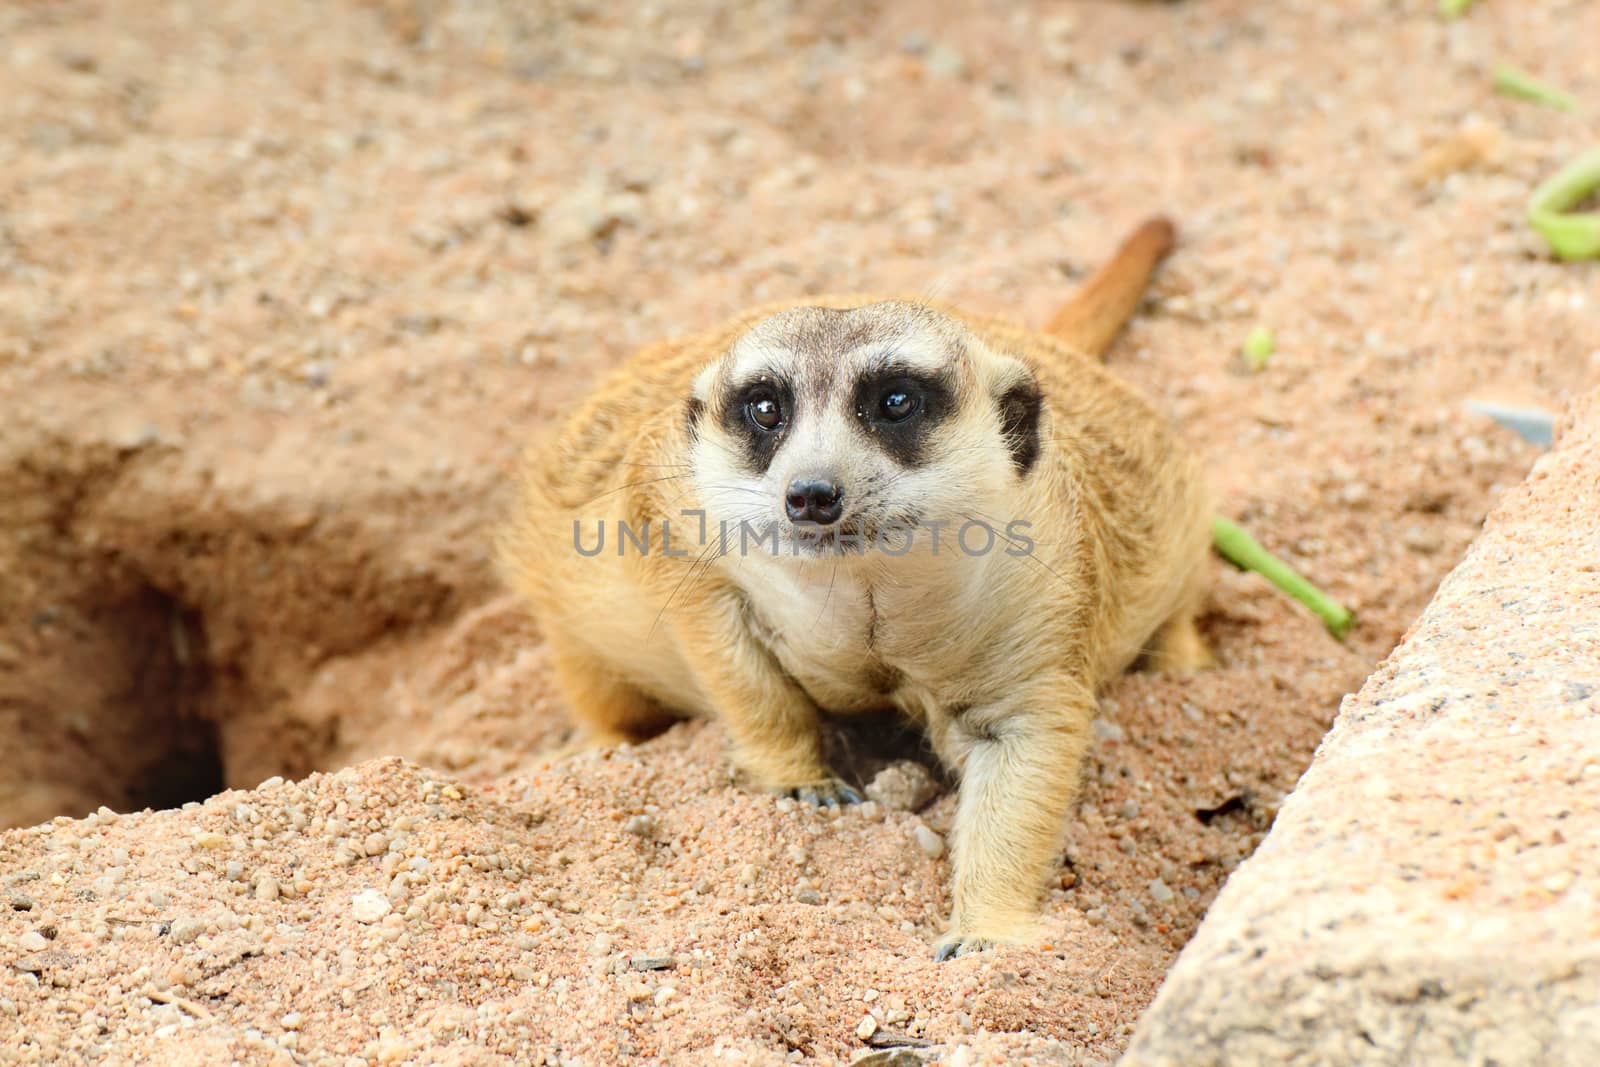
1030,556
994,522
701,566
668,602
610,462
828,596
632,485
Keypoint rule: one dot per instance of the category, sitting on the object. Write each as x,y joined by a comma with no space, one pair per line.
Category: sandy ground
285,288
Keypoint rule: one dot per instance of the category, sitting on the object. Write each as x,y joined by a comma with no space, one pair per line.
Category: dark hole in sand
134,690
177,755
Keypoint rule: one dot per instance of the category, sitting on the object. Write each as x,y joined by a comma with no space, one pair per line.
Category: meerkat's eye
897,405
764,411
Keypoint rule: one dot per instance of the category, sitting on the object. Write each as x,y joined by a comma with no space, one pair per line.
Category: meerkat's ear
1019,402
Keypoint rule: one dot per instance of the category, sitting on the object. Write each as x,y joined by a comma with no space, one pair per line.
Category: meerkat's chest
856,644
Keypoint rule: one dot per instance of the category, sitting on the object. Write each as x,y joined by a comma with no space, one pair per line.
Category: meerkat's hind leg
1177,647
608,711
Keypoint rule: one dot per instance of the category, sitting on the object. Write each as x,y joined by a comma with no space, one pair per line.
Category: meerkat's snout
814,500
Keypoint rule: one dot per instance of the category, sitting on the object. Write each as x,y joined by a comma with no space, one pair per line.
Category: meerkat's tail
1095,314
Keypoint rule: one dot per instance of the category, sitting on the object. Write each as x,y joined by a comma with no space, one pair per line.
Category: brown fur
998,658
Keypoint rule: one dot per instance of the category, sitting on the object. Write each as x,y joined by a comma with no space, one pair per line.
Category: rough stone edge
1369,927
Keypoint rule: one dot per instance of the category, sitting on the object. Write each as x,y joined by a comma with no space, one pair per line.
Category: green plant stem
1571,234
1243,551
1524,86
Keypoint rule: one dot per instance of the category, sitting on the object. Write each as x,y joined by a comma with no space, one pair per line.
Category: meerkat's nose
814,500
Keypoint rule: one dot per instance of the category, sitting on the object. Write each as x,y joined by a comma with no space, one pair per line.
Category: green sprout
1258,348
1524,86
1245,552
1570,234
1454,9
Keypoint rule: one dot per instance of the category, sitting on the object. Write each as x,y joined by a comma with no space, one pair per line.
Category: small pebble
1422,541
1159,892
945,62
1106,730
186,929
653,963
1354,495
866,1027
640,825
928,841
904,785
369,905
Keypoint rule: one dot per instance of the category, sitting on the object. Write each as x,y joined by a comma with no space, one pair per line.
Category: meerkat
775,491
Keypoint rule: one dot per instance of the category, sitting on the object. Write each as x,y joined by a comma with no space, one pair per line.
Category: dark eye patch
899,408
1019,423
747,418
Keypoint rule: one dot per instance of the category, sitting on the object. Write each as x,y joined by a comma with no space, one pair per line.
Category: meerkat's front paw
831,793
979,934
955,945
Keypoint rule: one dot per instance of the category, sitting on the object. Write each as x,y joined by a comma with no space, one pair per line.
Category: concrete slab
1430,892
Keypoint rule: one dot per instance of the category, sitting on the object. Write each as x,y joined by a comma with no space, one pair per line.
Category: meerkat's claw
954,946
830,794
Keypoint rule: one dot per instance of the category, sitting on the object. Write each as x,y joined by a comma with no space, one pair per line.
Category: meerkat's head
832,426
